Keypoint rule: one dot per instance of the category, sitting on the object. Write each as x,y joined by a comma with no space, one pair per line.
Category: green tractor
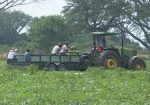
112,57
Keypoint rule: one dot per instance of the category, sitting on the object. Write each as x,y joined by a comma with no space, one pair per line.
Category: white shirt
64,49
11,54
55,49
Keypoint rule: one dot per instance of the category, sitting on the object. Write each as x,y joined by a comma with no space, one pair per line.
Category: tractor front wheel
110,59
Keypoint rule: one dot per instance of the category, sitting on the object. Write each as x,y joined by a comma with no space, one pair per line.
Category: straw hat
14,49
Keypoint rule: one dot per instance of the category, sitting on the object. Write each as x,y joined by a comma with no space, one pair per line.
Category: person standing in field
64,49
28,56
11,57
56,49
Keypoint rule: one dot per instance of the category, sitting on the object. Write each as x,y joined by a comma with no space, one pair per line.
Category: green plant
31,86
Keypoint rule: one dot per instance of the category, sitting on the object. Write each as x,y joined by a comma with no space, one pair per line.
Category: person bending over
56,49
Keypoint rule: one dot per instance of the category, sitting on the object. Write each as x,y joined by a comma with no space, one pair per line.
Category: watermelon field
95,86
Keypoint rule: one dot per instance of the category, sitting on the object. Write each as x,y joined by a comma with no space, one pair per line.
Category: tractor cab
99,41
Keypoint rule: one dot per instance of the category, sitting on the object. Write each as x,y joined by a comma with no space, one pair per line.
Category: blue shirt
27,56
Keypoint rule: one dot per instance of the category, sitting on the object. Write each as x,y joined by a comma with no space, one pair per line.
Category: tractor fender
131,61
113,49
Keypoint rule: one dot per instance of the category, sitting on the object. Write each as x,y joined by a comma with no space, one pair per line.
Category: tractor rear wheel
110,59
138,64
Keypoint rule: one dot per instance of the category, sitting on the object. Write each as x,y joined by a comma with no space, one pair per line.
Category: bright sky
44,8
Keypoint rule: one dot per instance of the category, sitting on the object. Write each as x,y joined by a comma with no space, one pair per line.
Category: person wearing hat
11,57
56,49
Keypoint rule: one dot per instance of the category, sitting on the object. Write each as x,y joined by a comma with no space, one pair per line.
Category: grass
96,86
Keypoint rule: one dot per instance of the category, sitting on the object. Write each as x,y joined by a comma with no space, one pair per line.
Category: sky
43,8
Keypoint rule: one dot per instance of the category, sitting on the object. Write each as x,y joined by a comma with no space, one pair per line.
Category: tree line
130,18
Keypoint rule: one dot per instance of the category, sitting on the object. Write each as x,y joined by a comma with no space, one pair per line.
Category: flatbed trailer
54,62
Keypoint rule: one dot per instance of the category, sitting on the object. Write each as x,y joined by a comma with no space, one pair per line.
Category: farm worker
28,56
11,57
101,43
64,49
56,49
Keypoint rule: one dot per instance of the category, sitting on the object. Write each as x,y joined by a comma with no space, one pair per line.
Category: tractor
112,57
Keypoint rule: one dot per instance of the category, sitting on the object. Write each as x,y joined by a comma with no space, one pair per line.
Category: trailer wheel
110,59
62,67
82,66
138,64
51,67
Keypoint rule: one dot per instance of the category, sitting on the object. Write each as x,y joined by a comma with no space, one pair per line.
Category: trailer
54,62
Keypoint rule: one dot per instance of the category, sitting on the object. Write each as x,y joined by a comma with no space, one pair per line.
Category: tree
11,24
137,19
6,4
95,15
131,17
44,32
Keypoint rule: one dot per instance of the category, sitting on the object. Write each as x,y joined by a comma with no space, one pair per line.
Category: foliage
83,42
3,51
7,4
129,17
95,86
4,48
127,42
94,15
136,19
11,24
44,32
